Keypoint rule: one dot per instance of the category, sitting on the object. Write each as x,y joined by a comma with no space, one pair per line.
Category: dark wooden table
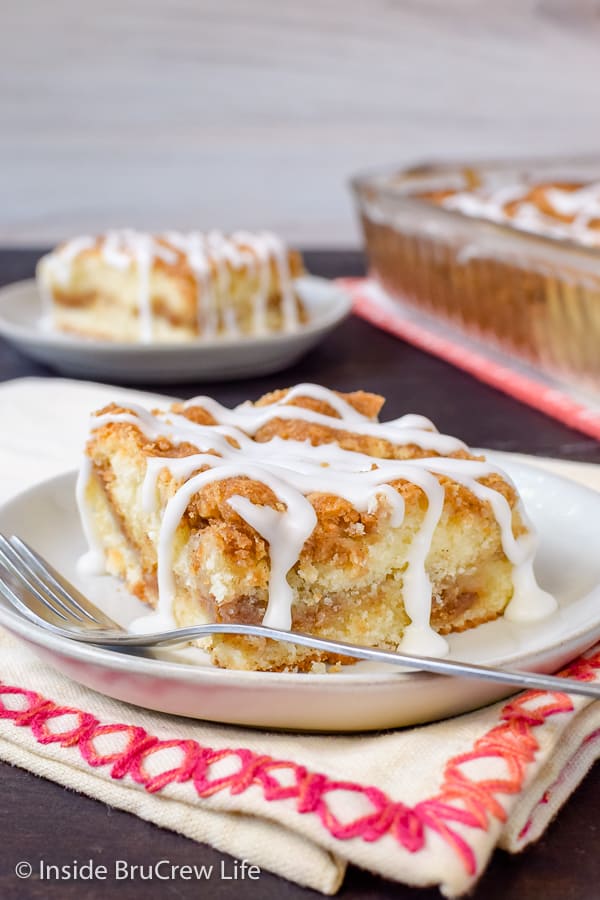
41,819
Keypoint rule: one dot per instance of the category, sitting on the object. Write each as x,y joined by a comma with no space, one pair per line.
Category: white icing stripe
290,311
93,561
529,602
583,204
286,533
204,254
193,246
405,430
261,261
293,470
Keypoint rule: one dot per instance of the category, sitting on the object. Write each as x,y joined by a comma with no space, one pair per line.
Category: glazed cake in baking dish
132,286
304,511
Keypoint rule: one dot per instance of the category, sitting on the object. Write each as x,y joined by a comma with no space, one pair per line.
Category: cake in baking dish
304,511
132,286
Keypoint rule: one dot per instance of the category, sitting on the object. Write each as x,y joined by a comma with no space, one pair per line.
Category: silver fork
33,587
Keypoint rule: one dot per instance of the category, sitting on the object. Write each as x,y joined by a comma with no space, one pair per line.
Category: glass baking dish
536,297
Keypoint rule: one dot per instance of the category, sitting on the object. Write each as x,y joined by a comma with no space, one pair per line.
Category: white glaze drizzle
261,261
293,470
60,261
193,247
56,266
583,204
92,562
203,254
407,429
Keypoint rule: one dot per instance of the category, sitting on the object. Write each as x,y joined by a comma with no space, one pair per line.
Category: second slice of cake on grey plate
134,286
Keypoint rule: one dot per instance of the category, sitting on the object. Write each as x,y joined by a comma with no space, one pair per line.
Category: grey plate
163,363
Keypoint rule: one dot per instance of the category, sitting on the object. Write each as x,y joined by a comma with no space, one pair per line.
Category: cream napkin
424,806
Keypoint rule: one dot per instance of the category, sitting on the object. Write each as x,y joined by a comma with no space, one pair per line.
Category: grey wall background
190,113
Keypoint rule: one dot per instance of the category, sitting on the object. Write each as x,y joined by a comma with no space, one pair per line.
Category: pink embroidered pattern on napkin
461,799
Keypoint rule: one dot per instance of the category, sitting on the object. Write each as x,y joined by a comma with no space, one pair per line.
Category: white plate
361,697
164,363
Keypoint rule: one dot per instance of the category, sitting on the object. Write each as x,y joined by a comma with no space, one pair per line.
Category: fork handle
513,678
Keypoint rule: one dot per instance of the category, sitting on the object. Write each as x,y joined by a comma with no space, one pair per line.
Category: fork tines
52,593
